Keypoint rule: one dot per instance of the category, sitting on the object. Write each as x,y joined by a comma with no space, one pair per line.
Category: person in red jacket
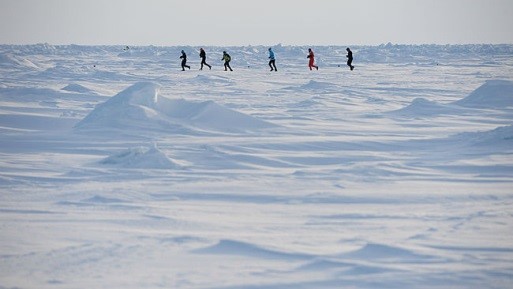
312,59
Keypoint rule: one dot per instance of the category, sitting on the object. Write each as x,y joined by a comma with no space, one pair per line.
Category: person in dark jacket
227,59
272,60
184,61
203,57
349,58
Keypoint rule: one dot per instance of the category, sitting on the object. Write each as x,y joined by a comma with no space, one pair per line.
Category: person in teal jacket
272,60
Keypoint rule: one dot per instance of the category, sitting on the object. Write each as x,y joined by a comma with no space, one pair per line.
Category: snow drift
15,62
75,87
492,94
140,158
232,247
496,138
421,107
141,107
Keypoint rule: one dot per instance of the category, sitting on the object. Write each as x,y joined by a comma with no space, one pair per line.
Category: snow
140,157
141,106
492,94
75,87
118,170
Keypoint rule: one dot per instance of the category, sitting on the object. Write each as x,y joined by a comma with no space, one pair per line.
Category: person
203,57
312,59
349,58
227,59
184,61
272,61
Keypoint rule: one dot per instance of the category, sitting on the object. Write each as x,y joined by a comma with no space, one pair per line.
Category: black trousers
227,65
349,62
272,63
184,64
204,62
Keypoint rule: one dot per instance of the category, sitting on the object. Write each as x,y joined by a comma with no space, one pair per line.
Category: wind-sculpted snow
499,137
421,107
231,247
385,253
316,85
75,87
120,170
13,62
493,94
209,81
140,158
141,106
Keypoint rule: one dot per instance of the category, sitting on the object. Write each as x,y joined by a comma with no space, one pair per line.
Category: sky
255,22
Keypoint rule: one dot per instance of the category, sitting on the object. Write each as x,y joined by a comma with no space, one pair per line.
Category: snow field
118,170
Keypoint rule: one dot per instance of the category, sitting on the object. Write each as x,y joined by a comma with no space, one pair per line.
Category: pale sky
255,22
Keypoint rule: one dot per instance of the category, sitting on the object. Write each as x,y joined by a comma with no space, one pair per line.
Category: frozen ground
118,170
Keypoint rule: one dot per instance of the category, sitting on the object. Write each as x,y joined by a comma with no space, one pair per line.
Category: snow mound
496,94
210,80
140,158
346,268
102,200
423,107
386,253
231,247
74,87
141,107
318,85
493,138
314,85
492,94
12,61
209,115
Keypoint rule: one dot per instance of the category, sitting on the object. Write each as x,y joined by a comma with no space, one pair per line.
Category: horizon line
252,45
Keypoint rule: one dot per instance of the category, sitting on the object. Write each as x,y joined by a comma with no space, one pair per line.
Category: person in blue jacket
272,60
